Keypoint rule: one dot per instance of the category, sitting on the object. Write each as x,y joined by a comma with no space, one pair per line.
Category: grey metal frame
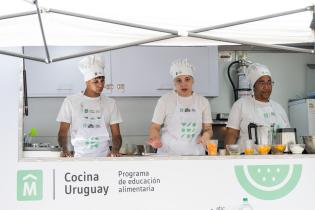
172,33
42,30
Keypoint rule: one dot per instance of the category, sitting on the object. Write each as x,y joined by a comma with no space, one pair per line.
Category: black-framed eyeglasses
262,83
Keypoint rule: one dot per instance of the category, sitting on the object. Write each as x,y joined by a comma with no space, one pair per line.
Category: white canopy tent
176,16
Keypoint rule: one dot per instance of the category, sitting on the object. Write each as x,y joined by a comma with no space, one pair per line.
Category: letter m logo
29,185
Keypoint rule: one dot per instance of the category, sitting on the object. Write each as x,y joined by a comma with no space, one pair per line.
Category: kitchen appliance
309,142
219,131
263,133
286,136
302,117
249,128
222,116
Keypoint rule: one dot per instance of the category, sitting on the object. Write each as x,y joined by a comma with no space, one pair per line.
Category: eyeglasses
262,83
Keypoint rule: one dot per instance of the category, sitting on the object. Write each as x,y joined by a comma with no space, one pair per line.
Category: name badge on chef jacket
187,110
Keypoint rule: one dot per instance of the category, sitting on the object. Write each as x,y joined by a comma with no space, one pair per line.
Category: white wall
288,70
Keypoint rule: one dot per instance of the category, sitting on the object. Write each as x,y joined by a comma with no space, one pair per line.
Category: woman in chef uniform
90,116
258,108
183,115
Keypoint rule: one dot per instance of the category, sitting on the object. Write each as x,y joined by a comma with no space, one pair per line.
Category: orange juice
212,149
278,148
263,149
249,151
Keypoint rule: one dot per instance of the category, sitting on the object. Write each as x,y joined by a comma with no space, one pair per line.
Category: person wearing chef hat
183,115
258,108
90,116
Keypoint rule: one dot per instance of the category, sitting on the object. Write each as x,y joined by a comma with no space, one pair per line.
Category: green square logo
29,185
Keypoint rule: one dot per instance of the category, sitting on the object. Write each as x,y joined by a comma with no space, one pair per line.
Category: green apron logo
188,130
29,185
268,182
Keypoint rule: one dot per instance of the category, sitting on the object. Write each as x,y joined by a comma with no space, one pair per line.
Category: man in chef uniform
183,115
258,108
90,116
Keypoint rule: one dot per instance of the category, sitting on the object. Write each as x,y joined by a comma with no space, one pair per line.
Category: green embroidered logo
29,185
188,130
92,142
268,182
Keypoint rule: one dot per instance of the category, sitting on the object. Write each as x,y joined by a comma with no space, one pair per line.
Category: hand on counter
155,142
66,153
114,154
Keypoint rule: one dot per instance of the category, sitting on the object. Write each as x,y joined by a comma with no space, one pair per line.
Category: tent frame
172,33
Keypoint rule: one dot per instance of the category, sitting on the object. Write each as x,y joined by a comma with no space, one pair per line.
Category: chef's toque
255,71
92,66
181,67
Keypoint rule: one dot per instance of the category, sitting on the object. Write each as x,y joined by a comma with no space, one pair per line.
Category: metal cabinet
144,70
133,71
58,79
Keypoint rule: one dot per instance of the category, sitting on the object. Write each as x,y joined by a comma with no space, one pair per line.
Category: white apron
181,134
89,135
266,116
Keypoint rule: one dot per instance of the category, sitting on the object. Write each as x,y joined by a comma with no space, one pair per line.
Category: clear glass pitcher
264,134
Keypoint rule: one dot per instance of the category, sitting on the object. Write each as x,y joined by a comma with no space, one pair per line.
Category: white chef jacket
166,105
182,118
248,110
71,112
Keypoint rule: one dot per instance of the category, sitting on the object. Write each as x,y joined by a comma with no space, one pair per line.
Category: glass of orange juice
278,149
263,149
212,146
249,147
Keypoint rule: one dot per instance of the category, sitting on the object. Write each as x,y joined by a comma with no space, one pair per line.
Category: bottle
245,205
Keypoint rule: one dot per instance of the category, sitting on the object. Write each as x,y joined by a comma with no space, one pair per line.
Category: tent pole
294,49
113,21
309,8
17,15
42,31
22,56
173,33
113,48
190,33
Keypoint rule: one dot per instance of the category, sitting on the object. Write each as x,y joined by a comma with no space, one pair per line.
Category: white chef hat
255,71
181,67
92,66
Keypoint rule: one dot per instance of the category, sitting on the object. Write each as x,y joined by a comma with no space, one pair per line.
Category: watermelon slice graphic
268,182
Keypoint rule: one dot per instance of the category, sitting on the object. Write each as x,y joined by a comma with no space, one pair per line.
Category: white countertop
163,158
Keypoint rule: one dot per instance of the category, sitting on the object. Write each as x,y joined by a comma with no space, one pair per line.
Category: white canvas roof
179,15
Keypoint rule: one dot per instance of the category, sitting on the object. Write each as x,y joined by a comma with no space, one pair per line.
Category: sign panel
204,183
